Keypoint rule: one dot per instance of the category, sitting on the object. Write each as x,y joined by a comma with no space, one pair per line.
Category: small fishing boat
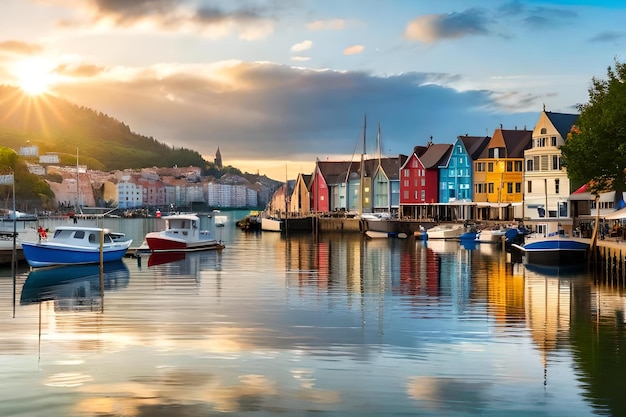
445,231
182,234
75,245
555,248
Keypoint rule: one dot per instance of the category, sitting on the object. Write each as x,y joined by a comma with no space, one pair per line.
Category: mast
362,167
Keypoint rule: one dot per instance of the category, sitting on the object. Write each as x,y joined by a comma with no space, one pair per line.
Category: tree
595,150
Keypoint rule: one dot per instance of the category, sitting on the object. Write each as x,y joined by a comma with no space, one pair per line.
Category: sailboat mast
361,167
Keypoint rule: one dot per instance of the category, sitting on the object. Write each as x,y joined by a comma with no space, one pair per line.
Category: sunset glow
35,76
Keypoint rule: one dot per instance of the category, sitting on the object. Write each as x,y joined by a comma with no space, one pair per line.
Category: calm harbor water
333,325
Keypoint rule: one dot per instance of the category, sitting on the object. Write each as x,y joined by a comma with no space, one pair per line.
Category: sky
279,84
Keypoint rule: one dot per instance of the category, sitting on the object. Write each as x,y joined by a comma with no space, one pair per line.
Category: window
415,195
519,166
544,131
529,186
555,162
461,160
541,142
406,183
480,166
490,187
423,195
509,166
529,165
553,141
490,167
544,162
556,185
509,187
423,182
406,172
406,194
518,187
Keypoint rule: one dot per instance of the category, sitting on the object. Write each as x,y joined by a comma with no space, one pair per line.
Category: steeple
218,158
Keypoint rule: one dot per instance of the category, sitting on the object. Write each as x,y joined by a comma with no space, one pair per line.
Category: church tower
218,158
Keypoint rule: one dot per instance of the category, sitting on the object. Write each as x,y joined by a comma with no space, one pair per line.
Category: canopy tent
616,215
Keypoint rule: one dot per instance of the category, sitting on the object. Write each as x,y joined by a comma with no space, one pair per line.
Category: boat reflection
555,270
164,258
170,267
75,287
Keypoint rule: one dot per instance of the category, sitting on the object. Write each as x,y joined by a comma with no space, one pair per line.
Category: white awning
616,215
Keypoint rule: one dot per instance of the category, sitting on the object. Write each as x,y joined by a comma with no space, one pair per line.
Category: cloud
435,27
610,36
250,23
301,58
330,24
353,50
302,46
262,111
18,47
537,17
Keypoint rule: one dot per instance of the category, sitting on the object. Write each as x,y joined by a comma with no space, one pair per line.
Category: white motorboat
182,234
446,231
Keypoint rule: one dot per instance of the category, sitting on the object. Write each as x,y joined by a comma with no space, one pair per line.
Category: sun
35,76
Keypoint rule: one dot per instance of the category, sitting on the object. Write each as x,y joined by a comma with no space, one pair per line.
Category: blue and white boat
75,245
555,248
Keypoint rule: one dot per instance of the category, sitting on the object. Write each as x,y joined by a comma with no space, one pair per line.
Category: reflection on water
73,287
334,324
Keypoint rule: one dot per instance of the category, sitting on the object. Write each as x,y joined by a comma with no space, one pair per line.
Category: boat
555,248
220,221
491,235
252,222
75,245
271,224
74,284
445,231
182,234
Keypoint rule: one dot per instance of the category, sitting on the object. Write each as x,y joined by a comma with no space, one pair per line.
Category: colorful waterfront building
547,186
419,180
499,173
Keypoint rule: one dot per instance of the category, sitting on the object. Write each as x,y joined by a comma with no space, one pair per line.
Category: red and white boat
182,234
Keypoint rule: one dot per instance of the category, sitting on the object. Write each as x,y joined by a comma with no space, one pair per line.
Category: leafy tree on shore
29,188
595,150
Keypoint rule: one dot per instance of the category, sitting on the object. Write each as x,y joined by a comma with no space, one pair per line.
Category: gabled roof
515,142
435,155
335,172
306,179
474,145
562,122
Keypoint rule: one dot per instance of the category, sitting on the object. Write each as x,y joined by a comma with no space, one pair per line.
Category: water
335,325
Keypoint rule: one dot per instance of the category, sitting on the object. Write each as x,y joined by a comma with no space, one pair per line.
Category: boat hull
555,252
159,244
445,232
271,225
41,254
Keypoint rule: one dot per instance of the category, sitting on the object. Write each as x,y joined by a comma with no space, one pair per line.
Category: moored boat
554,249
445,231
75,245
182,234
271,224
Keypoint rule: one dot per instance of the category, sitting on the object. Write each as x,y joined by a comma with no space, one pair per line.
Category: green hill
104,143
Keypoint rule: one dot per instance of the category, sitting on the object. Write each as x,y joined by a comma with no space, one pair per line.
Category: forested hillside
104,143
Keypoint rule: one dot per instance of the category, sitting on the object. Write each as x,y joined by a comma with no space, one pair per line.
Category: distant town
130,191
